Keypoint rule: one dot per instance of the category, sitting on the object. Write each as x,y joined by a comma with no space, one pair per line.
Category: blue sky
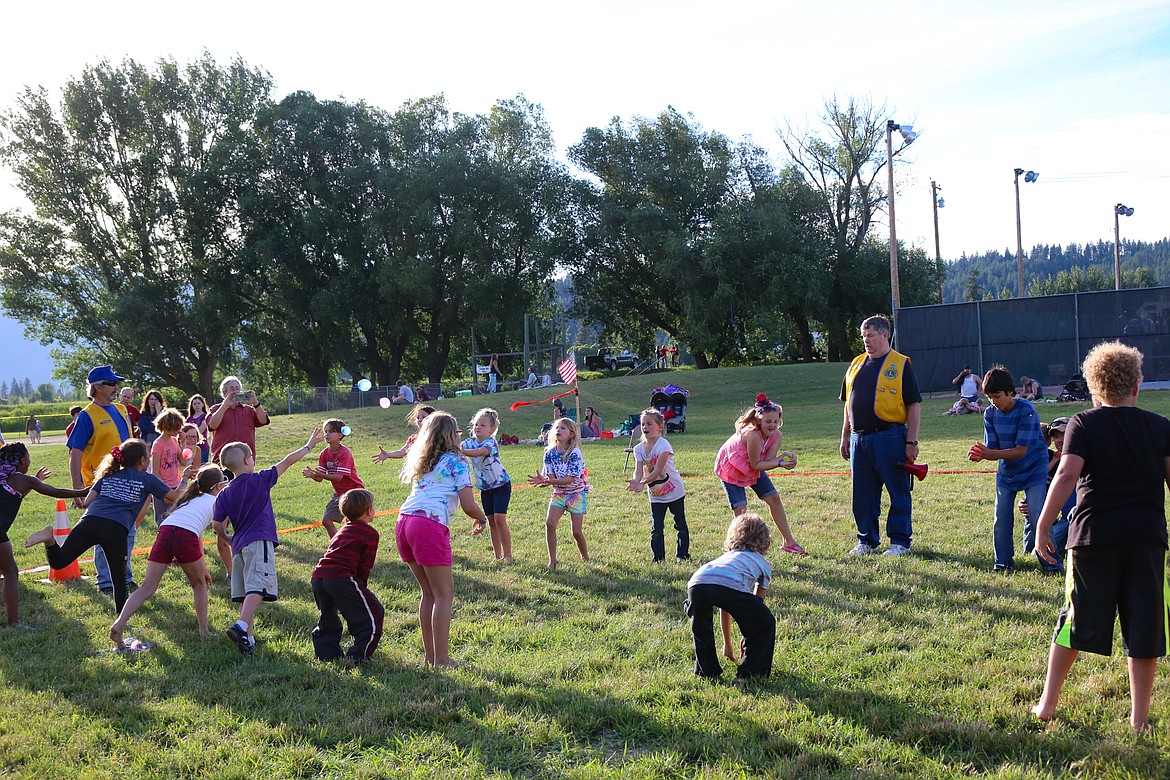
1079,91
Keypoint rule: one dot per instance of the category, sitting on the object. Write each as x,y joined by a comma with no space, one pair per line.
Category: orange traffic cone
60,534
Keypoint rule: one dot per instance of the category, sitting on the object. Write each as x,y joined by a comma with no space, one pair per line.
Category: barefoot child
1117,457
246,504
415,417
564,472
340,584
656,474
179,540
15,484
735,583
114,502
335,466
166,456
440,480
495,487
744,459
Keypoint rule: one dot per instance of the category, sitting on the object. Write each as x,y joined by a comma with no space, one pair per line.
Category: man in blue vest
883,408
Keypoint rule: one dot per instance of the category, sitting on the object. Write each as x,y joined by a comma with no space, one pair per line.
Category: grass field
923,666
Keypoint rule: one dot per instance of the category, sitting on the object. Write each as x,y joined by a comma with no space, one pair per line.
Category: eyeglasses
108,383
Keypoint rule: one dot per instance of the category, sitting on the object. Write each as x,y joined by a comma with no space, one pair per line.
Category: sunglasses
108,383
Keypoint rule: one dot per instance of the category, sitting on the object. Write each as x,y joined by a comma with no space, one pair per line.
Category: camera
240,398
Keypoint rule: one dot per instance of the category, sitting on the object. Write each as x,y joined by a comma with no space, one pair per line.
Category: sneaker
897,549
863,549
240,637
108,590
1002,569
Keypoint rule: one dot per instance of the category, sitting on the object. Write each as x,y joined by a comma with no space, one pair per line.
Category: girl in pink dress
745,458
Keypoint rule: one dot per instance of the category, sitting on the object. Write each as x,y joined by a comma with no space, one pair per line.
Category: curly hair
748,532
1112,371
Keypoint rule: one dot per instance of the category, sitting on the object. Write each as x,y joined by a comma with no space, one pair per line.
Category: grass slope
917,667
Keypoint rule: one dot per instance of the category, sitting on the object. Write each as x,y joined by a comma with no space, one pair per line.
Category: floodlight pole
895,293
1019,235
1118,210
934,188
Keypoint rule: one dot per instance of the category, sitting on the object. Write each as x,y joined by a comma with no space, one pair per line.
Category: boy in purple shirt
246,504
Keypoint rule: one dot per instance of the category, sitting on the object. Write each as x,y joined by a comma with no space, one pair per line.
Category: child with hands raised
495,485
335,466
745,458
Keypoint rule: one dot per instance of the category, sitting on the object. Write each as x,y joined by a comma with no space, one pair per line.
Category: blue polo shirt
1020,425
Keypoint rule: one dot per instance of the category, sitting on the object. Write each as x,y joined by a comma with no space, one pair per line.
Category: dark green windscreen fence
1045,338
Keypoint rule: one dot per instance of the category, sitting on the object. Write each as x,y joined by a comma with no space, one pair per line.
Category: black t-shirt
861,413
1121,492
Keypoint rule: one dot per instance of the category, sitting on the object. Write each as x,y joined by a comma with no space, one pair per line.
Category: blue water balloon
364,385
346,430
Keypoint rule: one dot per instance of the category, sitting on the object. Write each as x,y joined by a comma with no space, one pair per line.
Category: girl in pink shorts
180,539
441,481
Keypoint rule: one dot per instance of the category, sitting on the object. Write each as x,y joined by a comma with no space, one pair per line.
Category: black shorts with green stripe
1105,582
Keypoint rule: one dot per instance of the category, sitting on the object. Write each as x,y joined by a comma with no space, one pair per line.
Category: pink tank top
731,463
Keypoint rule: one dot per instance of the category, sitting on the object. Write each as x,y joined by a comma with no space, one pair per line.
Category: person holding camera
236,418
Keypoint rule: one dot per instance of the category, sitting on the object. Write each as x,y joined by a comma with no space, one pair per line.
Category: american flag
568,369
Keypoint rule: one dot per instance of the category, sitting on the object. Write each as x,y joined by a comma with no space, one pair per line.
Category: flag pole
576,389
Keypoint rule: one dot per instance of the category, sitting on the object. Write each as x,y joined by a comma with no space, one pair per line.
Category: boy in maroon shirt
340,584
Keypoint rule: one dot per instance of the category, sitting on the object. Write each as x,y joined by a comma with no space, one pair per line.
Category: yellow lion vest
888,404
105,437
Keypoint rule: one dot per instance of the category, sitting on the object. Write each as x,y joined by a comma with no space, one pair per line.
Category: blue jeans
1005,514
874,459
103,566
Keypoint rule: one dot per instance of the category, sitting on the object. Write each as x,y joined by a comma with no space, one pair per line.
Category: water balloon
187,453
346,430
364,385
384,403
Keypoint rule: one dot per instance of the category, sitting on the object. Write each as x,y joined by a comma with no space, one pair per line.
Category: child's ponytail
762,406
205,481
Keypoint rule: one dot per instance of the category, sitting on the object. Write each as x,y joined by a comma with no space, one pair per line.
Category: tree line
187,224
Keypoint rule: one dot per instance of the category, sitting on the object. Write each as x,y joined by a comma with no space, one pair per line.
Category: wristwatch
915,442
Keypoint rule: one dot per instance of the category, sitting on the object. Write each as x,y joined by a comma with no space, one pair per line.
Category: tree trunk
806,339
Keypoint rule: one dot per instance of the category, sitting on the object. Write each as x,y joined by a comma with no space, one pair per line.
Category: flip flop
794,549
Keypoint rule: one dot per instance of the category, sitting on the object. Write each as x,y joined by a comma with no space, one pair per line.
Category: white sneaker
897,549
863,549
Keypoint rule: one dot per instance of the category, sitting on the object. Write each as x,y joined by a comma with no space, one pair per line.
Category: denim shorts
495,500
737,496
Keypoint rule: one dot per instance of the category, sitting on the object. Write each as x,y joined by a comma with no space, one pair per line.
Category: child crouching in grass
735,583
340,584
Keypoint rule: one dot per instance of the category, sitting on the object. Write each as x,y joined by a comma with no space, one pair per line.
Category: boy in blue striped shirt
1012,435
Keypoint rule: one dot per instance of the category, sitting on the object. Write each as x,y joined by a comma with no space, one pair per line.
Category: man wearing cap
883,408
100,426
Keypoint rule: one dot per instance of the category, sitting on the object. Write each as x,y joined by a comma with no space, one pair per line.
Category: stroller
672,402
1075,389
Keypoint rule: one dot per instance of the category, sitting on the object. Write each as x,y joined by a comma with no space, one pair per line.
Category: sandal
794,549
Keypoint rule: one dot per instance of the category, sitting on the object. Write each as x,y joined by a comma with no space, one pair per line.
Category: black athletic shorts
1109,581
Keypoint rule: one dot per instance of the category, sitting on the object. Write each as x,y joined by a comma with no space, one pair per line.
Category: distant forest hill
1050,270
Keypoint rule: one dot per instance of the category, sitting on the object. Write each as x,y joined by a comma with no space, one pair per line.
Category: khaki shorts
254,571
333,509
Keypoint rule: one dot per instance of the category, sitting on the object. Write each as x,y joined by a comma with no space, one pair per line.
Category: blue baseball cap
102,374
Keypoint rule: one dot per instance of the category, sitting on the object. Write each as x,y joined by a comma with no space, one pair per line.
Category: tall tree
130,253
843,162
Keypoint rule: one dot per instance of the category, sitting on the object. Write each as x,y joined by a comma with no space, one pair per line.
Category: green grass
917,667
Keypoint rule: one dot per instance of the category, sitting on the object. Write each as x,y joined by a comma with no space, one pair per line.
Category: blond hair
655,415
418,411
233,455
169,421
491,415
574,441
1112,370
748,532
437,436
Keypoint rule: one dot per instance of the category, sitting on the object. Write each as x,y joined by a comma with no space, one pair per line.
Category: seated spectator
423,394
964,406
1030,389
558,413
591,426
968,384
532,380
405,394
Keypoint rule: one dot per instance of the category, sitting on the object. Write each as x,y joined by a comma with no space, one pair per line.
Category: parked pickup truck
611,359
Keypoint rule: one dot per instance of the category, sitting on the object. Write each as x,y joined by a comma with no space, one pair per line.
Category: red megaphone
916,469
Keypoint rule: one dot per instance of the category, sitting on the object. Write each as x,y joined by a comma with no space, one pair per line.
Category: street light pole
1029,177
935,203
1118,211
908,136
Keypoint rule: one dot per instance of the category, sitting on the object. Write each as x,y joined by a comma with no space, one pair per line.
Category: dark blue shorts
495,500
